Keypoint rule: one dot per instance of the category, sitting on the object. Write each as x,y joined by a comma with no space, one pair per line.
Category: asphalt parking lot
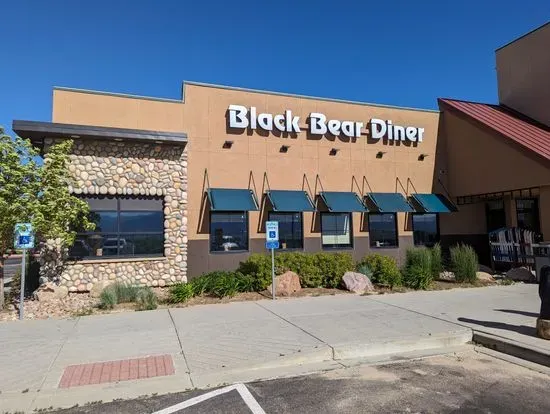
466,382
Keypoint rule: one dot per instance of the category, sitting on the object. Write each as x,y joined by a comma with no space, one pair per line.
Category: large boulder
520,274
286,284
97,288
446,275
357,282
484,277
50,291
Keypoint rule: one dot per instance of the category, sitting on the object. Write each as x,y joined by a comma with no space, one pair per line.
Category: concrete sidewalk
506,312
209,345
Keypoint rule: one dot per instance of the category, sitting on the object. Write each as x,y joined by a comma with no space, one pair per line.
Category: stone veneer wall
107,167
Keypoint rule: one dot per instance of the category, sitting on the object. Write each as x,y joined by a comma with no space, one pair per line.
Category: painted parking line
247,397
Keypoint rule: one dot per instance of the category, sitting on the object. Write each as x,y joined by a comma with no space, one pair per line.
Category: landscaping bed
300,275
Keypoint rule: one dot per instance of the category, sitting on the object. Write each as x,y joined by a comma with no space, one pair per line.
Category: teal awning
342,201
389,202
433,203
232,199
290,200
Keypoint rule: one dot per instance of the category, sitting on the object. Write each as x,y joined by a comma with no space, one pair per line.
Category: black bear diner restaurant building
185,186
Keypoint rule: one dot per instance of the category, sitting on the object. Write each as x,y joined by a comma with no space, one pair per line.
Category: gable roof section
516,128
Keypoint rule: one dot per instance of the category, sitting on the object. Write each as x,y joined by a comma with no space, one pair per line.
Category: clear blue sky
397,52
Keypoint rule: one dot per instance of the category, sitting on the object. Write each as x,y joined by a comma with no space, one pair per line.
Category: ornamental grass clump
384,269
418,270
143,297
464,263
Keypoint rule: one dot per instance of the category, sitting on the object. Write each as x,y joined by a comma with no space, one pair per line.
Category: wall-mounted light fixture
75,136
284,148
422,156
227,144
333,151
380,154
118,139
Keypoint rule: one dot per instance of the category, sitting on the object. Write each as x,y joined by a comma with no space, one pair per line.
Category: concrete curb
402,345
511,347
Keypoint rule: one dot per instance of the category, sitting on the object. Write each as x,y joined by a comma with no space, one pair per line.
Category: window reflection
383,230
425,229
228,231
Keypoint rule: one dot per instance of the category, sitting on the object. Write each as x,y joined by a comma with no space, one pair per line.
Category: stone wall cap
36,131
121,260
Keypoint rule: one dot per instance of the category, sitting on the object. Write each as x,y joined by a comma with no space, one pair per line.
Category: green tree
59,214
19,188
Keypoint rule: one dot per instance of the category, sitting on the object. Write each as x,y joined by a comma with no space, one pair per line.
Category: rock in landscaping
286,284
446,275
520,274
484,277
50,291
357,282
97,288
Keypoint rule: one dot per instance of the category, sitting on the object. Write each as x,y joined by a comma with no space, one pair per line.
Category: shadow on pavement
522,329
518,312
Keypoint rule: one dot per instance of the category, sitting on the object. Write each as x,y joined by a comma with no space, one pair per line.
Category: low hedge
315,270
384,269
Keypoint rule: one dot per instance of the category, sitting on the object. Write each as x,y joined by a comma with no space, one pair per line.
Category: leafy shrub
418,270
225,283
181,292
464,263
108,298
384,269
437,260
257,266
333,266
306,266
364,269
146,299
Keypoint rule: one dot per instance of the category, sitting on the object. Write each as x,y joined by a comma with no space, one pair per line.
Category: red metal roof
525,132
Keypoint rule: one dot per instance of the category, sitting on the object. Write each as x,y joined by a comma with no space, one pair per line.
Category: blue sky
397,52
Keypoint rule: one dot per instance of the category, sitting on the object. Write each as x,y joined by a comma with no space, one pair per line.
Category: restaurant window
336,230
228,231
527,211
425,229
383,230
124,227
290,229
495,214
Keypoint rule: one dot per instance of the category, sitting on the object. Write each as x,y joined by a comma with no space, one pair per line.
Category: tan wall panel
480,161
73,107
522,72
258,152
470,219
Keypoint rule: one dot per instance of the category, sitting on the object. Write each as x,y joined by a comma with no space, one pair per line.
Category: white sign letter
279,122
265,121
411,133
378,128
334,127
348,128
237,116
317,123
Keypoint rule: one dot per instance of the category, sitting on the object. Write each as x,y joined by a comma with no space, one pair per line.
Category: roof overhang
36,131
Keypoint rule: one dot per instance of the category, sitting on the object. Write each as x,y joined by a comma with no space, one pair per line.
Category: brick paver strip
114,371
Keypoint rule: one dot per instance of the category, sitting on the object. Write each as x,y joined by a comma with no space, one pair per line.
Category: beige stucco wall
522,73
117,111
481,161
254,153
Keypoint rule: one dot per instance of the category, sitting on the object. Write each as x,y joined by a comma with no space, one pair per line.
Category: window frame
438,233
372,244
490,212
247,224
536,208
118,234
349,246
289,213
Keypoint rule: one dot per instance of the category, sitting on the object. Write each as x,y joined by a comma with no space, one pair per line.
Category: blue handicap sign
24,236
272,244
272,234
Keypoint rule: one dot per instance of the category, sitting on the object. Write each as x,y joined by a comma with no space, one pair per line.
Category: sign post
23,239
272,243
